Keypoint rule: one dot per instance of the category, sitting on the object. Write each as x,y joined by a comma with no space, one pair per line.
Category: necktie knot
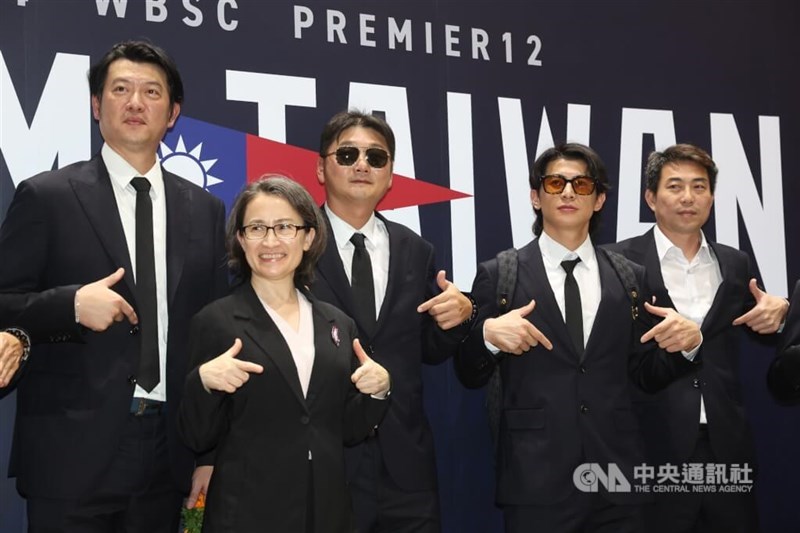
358,241
569,265
141,184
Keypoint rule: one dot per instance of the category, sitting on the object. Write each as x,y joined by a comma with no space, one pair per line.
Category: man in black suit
565,352
783,378
401,323
104,263
699,418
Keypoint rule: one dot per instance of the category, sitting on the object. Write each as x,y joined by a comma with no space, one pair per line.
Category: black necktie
363,284
572,305
148,376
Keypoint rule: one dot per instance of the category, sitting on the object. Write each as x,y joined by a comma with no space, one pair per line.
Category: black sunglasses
348,155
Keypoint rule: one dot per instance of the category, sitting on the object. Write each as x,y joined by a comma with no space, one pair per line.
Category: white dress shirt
587,274
692,285
121,174
377,244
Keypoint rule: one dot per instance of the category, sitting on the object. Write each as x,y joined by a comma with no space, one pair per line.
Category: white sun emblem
188,165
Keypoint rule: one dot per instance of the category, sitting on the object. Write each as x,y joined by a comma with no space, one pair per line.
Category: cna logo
223,160
589,477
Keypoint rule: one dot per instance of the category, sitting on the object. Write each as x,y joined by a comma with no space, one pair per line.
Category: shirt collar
665,246
121,172
553,252
342,231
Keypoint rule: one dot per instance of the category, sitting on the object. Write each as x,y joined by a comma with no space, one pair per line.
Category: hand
767,315
10,357
450,307
675,333
513,333
200,480
225,372
99,306
370,377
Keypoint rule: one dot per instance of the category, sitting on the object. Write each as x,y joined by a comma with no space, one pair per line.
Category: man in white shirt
700,418
104,264
565,353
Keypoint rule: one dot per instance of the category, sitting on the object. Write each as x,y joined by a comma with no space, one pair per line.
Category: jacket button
696,383
134,330
304,420
584,409
132,380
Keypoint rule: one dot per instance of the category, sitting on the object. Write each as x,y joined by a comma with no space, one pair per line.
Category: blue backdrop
474,90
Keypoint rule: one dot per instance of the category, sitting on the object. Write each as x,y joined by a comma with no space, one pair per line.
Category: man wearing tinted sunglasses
382,274
700,418
564,354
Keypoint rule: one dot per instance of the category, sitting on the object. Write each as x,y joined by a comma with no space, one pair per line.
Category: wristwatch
24,338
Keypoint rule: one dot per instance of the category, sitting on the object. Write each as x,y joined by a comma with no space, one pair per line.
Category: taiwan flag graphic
223,161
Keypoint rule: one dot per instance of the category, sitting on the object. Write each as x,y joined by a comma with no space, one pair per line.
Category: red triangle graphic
270,157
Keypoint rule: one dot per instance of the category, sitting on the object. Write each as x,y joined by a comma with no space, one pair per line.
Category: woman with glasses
280,383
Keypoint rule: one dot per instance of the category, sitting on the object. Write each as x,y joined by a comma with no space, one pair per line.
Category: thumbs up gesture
768,313
369,378
98,307
513,333
450,307
675,333
227,373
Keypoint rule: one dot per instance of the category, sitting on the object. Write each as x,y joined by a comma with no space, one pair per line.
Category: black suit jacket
403,339
264,431
62,231
670,420
783,378
559,411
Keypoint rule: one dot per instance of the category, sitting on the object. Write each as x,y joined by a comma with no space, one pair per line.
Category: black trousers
135,495
703,512
580,513
380,506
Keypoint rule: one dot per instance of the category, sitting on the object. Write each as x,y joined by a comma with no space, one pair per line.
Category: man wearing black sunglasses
575,333
382,274
700,418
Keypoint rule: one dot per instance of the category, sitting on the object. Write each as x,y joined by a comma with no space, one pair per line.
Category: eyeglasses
556,183
283,231
347,156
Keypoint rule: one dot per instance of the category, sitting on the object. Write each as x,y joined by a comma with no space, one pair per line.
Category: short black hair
301,201
348,119
570,152
675,154
138,52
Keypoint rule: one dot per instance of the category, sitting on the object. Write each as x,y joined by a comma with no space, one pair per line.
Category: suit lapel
178,201
531,267
94,192
266,335
720,306
399,254
323,333
330,268
655,280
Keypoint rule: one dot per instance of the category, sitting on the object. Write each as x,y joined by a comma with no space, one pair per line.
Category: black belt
146,407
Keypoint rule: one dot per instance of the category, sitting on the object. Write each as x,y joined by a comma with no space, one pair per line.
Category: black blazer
403,339
264,431
670,420
783,378
62,231
559,411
